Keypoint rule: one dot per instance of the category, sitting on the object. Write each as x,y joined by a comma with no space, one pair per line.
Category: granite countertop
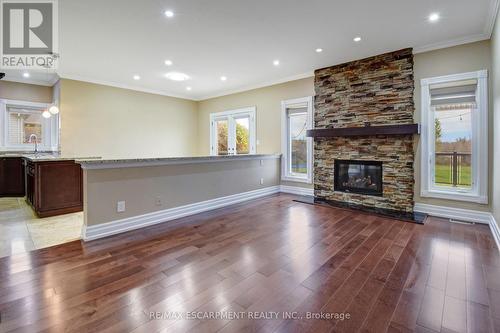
137,162
45,156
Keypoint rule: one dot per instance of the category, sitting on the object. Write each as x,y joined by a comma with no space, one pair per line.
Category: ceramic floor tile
55,230
21,231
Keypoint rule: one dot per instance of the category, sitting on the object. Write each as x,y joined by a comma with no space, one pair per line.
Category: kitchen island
52,183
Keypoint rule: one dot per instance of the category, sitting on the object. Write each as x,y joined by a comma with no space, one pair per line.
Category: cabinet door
12,172
2,177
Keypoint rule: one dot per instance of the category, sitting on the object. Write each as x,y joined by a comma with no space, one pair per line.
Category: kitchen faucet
36,140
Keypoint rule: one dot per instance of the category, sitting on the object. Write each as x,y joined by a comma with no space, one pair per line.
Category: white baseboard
454,213
495,230
297,190
140,221
462,215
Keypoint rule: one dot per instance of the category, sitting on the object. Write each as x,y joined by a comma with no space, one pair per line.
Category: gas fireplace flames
360,182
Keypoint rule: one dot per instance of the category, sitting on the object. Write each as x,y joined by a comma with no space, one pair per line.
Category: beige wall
98,120
495,79
25,92
175,185
267,101
453,60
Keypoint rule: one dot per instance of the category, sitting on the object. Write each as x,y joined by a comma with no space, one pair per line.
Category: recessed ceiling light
434,17
168,62
319,50
137,77
357,39
26,74
276,62
188,88
176,76
223,78
169,13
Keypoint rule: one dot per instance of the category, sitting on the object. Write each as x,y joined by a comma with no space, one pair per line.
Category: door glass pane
221,127
22,126
242,135
298,143
453,145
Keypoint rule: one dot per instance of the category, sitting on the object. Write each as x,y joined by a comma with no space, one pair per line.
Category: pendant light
54,109
46,114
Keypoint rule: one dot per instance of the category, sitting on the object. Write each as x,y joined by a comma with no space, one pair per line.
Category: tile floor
21,231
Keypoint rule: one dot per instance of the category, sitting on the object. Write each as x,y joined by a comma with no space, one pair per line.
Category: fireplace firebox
363,177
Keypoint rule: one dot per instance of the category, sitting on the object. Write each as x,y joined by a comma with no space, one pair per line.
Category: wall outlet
158,201
120,206
262,181
261,162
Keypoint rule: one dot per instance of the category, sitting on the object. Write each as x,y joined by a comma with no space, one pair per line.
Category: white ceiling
110,41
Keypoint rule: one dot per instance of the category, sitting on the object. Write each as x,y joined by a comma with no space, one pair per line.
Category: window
23,125
233,132
296,147
455,137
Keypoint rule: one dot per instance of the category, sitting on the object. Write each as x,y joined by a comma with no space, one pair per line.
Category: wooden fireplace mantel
405,129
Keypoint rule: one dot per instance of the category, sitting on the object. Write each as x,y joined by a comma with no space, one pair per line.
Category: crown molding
491,19
33,81
260,85
450,43
123,86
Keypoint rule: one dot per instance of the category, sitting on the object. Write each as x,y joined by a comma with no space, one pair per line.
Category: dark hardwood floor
268,255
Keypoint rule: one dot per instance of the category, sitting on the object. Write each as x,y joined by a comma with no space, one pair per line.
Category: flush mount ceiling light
319,50
137,77
176,76
357,39
434,17
168,62
26,74
223,78
54,109
188,88
169,13
46,114
276,62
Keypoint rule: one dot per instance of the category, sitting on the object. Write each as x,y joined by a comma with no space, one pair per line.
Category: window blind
21,123
454,93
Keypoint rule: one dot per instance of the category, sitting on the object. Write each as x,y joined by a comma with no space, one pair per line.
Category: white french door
232,132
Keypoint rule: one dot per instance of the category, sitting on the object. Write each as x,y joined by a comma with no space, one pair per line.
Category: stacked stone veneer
374,91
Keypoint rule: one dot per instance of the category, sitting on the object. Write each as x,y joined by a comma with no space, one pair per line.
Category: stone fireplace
373,169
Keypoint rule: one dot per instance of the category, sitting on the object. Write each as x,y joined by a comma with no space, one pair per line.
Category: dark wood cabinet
11,177
54,187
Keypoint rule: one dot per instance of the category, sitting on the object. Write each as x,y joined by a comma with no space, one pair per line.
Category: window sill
456,196
296,179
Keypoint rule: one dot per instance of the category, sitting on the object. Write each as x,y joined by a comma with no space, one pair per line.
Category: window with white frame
455,137
23,125
233,132
296,115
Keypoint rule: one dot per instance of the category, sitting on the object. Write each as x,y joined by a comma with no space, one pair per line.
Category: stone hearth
374,91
